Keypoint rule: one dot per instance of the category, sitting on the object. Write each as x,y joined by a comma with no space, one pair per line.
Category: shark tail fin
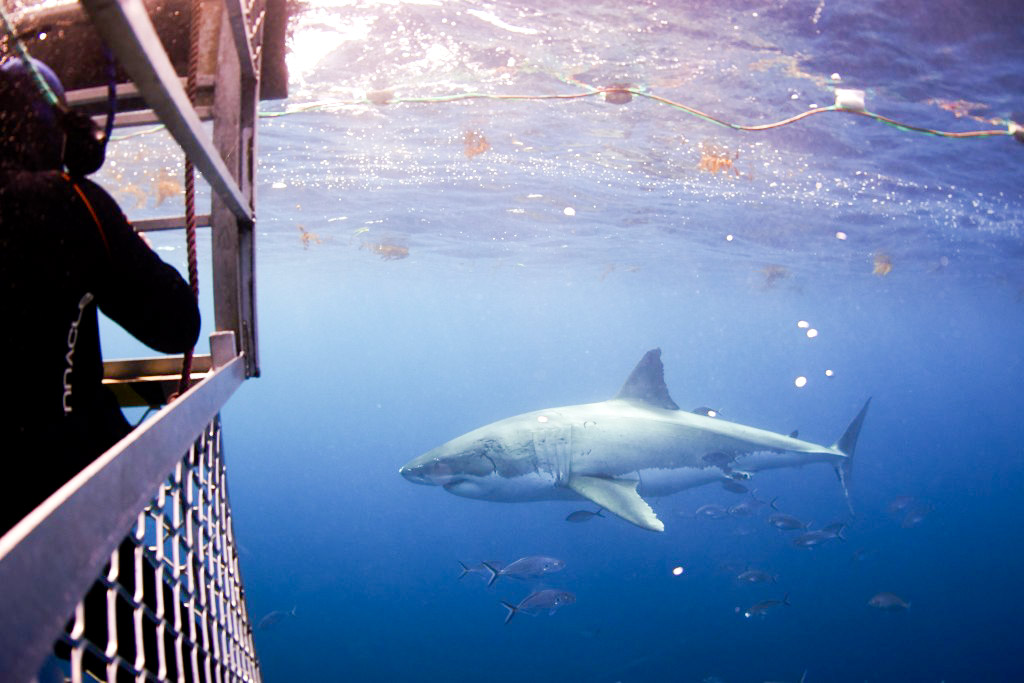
494,575
465,569
846,445
512,609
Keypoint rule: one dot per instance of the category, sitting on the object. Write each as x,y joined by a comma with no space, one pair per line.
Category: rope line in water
191,88
1013,129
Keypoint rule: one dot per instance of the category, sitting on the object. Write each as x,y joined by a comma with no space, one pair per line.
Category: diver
66,249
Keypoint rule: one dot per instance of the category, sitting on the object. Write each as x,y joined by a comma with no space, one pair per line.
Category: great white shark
618,452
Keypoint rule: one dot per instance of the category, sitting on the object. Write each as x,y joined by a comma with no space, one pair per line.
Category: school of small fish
908,511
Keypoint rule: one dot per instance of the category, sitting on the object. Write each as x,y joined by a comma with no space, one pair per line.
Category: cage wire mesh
170,604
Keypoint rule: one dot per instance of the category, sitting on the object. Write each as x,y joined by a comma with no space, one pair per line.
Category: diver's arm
144,295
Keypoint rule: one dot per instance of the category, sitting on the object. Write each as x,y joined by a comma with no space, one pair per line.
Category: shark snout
413,474
429,471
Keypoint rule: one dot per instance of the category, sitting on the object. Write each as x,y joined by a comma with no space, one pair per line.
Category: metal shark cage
130,571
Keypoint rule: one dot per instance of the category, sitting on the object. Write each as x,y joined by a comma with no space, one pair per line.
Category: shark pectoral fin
619,497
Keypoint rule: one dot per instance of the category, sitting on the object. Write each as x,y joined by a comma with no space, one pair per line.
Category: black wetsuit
65,247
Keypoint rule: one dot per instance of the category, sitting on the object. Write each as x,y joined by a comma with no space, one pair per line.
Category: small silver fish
749,508
786,522
705,411
712,511
271,619
897,505
916,514
530,567
583,515
888,602
761,607
814,538
538,601
861,554
835,530
756,576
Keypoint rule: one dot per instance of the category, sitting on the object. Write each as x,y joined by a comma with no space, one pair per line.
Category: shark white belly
616,452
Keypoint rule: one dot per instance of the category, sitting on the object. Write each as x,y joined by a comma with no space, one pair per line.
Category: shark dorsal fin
647,382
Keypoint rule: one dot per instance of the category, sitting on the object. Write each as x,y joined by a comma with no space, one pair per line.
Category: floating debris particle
475,143
714,159
618,93
308,237
772,275
166,186
387,252
380,97
883,264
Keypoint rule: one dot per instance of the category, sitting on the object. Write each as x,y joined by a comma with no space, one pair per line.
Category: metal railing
170,604
50,558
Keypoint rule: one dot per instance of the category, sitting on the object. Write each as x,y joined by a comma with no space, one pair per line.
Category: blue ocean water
537,271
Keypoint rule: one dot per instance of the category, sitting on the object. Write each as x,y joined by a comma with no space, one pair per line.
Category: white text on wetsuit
72,340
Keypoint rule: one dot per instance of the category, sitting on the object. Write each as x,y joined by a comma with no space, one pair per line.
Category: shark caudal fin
846,445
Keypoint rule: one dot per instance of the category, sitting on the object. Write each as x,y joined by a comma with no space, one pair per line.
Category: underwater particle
773,273
728,238
960,108
137,192
829,373
835,77
882,264
714,159
677,571
800,382
618,93
167,186
812,333
278,185
380,97
387,252
569,211
308,237
840,235
803,324
474,143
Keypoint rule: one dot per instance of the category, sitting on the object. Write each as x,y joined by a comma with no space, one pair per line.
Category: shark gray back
617,452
